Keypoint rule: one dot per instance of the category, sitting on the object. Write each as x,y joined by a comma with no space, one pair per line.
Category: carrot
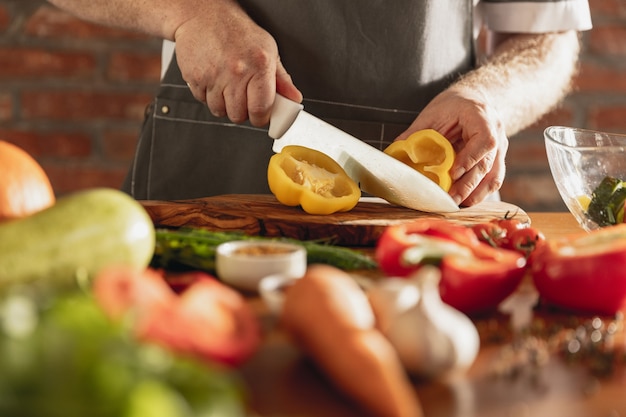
329,317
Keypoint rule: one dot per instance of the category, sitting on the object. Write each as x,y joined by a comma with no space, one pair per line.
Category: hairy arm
160,18
227,60
526,75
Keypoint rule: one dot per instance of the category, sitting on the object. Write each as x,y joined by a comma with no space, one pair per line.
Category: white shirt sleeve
167,53
534,16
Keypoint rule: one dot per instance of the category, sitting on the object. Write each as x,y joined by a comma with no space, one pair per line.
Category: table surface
282,382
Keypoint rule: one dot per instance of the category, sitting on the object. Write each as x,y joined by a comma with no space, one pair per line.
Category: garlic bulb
390,298
431,337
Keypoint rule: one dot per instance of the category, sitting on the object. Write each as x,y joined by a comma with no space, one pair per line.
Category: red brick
610,8
608,118
561,115
6,107
608,40
526,153
5,18
50,22
67,178
84,105
536,192
595,77
45,144
40,63
119,145
129,66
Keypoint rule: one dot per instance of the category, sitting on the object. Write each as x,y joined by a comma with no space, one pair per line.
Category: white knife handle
284,112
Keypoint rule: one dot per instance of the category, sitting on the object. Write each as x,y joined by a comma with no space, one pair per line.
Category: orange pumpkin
24,186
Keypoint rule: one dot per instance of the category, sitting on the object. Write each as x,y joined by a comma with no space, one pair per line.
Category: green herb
196,248
607,202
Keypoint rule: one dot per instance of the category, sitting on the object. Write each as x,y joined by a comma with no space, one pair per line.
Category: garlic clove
431,337
390,298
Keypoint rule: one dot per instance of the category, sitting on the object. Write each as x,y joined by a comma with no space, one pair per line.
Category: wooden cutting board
263,215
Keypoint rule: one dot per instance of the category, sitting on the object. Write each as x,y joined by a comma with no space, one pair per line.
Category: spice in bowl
244,263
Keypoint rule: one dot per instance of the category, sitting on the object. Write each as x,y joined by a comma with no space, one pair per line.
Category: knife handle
284,113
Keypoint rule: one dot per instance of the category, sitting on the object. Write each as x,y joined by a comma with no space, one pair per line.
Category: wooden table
283,383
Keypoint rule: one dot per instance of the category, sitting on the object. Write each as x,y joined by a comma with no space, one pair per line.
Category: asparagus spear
195,248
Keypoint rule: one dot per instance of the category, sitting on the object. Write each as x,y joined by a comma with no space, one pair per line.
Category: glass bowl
579,160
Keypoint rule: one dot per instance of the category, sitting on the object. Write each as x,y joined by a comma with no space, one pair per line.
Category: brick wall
73,95
598,102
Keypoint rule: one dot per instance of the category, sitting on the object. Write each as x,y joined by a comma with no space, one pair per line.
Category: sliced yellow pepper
311,179
428,152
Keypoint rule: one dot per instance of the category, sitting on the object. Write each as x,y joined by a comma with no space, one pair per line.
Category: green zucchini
75,238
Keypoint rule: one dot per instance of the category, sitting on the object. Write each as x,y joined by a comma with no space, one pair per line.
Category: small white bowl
243,263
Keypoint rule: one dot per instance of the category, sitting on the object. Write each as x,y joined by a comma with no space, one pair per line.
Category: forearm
526,76
160,18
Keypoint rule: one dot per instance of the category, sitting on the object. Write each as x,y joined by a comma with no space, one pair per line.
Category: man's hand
232,64
524,78
473,126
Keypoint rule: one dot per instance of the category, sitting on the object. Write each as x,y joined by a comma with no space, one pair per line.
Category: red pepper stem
431,251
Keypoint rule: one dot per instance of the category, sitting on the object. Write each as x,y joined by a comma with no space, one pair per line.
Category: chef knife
376,172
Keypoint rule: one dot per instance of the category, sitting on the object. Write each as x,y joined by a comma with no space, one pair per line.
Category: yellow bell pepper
311,179
428,152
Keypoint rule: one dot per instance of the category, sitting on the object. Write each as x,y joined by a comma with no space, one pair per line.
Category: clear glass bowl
579,160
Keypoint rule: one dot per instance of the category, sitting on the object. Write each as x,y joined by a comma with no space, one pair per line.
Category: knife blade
376,172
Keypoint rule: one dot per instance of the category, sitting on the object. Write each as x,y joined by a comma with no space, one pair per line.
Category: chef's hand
232,64
464,116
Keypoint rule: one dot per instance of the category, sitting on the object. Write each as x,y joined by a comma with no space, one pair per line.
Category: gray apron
365,66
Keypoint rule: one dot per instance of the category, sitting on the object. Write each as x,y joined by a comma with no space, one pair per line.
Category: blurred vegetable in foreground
207,320
75,238
24,186
61,356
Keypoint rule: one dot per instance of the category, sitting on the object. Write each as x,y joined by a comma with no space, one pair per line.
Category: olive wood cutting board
263,215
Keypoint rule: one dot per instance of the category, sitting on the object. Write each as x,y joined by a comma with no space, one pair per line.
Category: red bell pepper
585,272
475,277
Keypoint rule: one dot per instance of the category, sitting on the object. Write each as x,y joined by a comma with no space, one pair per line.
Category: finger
261,93
215,102
490,183
476,149
199,93
236,101
466,184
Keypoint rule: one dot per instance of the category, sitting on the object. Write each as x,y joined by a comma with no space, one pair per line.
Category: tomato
584,272
119,290
509,223
475,277
490,233
509,233
525,240
208,319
